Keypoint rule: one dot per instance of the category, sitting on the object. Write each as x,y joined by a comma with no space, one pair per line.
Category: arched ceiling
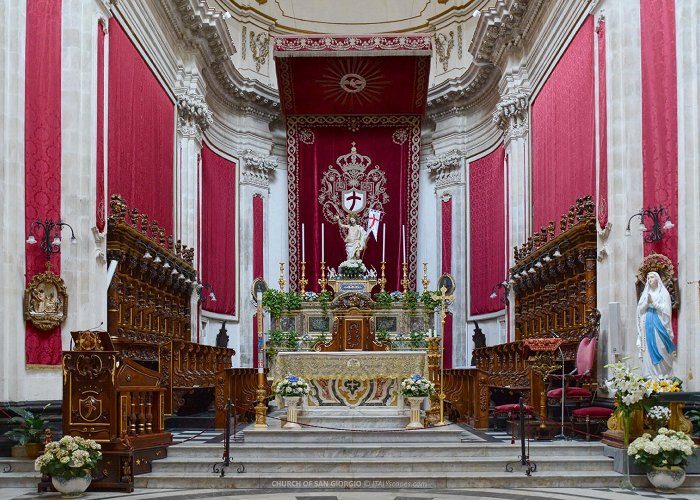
354,16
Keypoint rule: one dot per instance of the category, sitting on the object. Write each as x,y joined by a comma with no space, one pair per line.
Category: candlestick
382,281
323,243
384,242
261,392
404,281
303,246
425,279
303,281
403,236
281,280
322,280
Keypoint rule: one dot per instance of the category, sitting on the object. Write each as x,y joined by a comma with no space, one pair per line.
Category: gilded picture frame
46,301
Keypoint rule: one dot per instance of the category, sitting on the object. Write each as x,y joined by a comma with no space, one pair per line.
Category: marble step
8,464
302,451
417,464
330,437
330,422
19,480
381,480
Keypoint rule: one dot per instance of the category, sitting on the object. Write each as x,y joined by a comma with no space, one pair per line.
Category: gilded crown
353,161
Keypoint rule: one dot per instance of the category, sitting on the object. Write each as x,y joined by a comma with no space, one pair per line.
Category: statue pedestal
343,285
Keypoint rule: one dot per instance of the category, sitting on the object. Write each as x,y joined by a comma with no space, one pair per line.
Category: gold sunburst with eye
353,80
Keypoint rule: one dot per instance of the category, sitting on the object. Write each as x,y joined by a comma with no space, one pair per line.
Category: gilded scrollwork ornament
46,300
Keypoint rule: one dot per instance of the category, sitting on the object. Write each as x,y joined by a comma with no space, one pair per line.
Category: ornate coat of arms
352,188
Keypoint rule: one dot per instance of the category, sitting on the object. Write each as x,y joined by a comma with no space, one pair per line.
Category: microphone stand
561,435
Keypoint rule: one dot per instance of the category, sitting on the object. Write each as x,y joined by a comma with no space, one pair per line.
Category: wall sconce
506,290
200,291
655,214
50,240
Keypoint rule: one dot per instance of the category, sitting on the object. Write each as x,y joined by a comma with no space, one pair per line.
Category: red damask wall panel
660,117
487,261
563,132
42,153
219,230
141,132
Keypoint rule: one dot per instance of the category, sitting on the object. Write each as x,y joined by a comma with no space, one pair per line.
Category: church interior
437,245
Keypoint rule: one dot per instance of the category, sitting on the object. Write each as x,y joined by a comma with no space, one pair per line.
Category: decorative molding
446,169
443,48
511,114
499,28
459,41
104,23
244,45
259,48
257,169
205,28
193,114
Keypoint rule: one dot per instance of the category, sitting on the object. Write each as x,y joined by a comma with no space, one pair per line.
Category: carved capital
446,169
256,169
511,114
193,114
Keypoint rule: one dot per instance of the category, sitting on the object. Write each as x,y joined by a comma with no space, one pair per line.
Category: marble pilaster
256,171
449,173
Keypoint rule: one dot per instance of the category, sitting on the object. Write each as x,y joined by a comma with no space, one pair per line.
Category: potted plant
29,431
665,456
69,462
292,389
416,389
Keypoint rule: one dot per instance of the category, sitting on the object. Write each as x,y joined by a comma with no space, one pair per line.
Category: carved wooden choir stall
120,384
554,283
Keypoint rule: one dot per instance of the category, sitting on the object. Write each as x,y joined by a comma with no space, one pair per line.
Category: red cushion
513,407
571,392
593,411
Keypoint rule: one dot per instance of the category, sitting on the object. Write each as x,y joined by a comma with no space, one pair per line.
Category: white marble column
193,118
616,271
512,115
12,230
449,173
687,62
83,265
254,181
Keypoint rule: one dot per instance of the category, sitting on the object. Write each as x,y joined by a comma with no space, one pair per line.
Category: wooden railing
238,385
467,396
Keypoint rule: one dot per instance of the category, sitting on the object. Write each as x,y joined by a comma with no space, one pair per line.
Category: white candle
384,242
403,234
323,242
303,247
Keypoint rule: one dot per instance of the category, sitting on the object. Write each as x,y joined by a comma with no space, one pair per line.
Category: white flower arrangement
396,296
71,456
629,388
310,297
352,268
659,415
666,449
416,387
292,385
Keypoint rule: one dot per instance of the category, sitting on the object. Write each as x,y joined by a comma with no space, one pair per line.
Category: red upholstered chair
590,415
585,358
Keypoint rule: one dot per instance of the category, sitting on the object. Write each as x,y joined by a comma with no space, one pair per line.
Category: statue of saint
655,334
355,238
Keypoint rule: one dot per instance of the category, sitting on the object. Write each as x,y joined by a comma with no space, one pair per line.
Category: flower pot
291,403
666,478
73,487
18,451
34,449
415,403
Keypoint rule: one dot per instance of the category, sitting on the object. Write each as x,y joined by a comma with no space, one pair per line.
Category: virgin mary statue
655,335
